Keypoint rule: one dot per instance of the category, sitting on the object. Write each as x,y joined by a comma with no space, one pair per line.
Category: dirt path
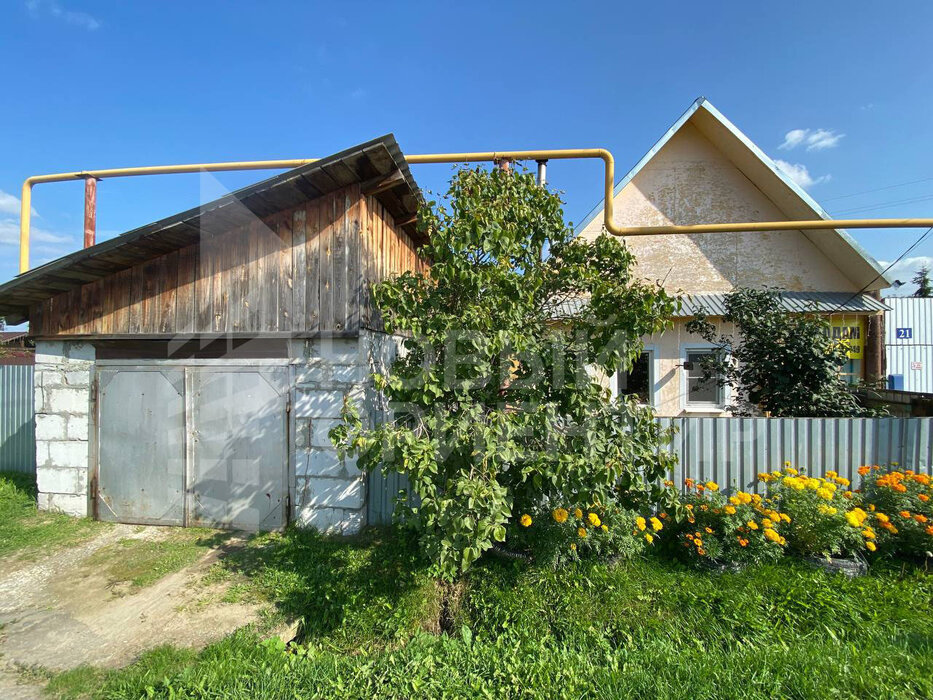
57,613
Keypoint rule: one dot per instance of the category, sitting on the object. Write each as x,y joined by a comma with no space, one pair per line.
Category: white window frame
700,407
652,351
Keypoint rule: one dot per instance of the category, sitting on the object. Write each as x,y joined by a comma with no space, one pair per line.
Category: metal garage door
192,446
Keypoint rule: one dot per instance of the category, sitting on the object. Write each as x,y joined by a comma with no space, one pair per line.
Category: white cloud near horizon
50,8
904,271
799,173
9,234
812,139
10,204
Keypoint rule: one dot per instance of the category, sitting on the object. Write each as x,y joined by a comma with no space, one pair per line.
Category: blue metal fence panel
732,451
17,423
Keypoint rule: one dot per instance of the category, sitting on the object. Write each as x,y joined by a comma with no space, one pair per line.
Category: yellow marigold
826,510
848,495
640,523
786,518
842,481
701,551
831,474
753,498
868,534
871,546
578,514
709,530
560,515
825,494
790,470
525,520
752,525
594,519
882,518
813,484
604,528
712,485
649,538
581,532
856,517
730,510
573,546
698,542
772,535
656,524
766,522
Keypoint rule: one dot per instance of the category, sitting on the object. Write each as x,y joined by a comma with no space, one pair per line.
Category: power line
881,274
885,205
878,189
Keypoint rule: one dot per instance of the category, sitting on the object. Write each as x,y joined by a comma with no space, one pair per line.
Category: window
700,392
639,380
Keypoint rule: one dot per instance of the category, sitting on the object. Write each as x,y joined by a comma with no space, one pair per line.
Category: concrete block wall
330,492
62,405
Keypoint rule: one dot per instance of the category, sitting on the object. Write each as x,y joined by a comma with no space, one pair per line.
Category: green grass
141,562
26,532
647,628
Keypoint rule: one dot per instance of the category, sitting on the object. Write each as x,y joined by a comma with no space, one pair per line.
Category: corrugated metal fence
17,426
731,451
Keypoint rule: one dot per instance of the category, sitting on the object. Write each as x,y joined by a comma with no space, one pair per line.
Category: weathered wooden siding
306,269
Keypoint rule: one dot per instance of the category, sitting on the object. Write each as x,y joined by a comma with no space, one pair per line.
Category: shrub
825,518
565,533
740,529
901,504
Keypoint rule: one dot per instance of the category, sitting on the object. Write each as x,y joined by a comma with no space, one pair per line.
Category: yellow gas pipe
486,156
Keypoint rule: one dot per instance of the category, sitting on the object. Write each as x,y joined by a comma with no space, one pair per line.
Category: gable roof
855,262
377,162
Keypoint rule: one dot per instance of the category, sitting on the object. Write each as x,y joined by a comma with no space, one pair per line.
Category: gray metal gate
196,445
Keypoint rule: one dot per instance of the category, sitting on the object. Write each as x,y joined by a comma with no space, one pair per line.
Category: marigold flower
842,481
871,546
560,515
709,530
594,519
929,530
786,518
920,518
581,532
525,520
863,470
848,495
882,518
701,552
712,485
698,542
743,542
904,513
649,538
656,524
640,523
772,535
730,510
868,534
923,497
752,525
604,528
573,546
766,522
825,494
578,514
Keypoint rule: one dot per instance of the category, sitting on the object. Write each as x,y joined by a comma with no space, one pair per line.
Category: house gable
704,170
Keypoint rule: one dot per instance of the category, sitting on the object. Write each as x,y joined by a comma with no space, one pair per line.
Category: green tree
493,407
922,280
784,363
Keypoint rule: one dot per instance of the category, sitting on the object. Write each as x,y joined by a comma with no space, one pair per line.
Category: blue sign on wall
904,333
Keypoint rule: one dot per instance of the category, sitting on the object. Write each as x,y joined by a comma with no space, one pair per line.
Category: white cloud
799,174
813,139
10,204
50,8
9,234
904,271
793,138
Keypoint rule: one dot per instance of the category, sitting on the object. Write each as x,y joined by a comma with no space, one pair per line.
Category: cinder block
77,427
336,351
318,404
61,481
42,453
313,373
50,352
320,431
38,397
332,521
324,462
50,427
69,504
68,401
347,374
78,378
68,454
80,351
334,493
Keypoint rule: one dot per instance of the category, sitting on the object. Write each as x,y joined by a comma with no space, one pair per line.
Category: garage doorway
192,445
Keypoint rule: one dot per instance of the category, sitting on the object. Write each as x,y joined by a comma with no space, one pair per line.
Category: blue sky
109,84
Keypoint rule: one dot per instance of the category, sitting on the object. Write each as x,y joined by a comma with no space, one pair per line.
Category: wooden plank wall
303,270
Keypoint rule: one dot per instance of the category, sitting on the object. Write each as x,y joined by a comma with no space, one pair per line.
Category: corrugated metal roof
715,304
799,302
